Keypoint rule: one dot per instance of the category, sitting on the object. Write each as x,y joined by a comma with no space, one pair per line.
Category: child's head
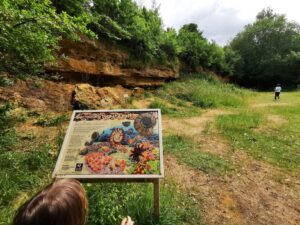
63,202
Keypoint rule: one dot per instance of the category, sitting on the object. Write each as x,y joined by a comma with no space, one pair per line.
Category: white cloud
220,20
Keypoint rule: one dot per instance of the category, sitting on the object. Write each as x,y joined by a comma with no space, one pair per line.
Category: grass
26,167
188,152
111,202
176,111
21,174
277,144
8,135
27,161
200,91
46,121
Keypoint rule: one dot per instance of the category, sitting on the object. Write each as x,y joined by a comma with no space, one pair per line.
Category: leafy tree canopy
196,51
268,48
30,31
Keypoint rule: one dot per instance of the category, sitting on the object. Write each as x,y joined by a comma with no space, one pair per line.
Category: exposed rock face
89,97
39,94
106,65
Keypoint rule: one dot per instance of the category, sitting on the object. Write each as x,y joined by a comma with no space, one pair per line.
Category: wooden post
156,198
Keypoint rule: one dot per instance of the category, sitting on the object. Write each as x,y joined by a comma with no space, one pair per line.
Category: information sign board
112,144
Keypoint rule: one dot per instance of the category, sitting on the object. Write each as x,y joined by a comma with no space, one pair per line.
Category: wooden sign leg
156,198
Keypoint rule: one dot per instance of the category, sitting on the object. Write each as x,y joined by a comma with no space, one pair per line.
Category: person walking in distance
277,91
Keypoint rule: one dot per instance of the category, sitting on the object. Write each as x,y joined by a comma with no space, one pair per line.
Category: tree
266,48
169,45
266,13
232,61
30,32
72,7
193,46
137,28
197,52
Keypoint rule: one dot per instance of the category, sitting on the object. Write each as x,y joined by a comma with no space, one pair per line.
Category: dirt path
269,104
193,125
255,193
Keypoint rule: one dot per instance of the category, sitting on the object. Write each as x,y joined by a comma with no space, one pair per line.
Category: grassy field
265,130
269,130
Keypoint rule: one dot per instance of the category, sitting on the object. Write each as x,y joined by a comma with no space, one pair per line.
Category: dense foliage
137,28
265,53
31,31
196,51
269,51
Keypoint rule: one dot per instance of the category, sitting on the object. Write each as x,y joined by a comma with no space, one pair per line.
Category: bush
30,32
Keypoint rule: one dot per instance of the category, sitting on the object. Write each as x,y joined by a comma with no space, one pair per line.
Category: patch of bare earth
33,135
142,104
276,119
272,122
269,104
248,195
190,126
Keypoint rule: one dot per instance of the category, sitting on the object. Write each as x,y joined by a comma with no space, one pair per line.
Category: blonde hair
62,202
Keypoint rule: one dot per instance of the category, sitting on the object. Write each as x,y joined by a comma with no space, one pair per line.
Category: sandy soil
191,126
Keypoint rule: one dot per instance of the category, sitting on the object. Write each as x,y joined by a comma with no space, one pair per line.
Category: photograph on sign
112,144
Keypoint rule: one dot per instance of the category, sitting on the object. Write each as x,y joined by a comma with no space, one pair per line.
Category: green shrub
28,168
30,32
107,201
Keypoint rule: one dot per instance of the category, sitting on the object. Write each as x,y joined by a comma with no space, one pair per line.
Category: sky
220,20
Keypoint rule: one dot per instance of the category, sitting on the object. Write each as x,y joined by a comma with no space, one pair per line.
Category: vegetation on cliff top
31,31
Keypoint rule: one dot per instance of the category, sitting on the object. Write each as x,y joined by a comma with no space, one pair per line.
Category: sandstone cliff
104,64
40,94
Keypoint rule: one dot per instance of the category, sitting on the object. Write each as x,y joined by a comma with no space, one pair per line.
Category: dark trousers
277,95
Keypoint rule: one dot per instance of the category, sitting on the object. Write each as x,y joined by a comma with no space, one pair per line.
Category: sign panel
112,144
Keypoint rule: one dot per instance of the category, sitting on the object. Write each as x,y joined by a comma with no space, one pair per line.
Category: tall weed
203,91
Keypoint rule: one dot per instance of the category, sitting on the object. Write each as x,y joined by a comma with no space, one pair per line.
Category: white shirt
278,89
